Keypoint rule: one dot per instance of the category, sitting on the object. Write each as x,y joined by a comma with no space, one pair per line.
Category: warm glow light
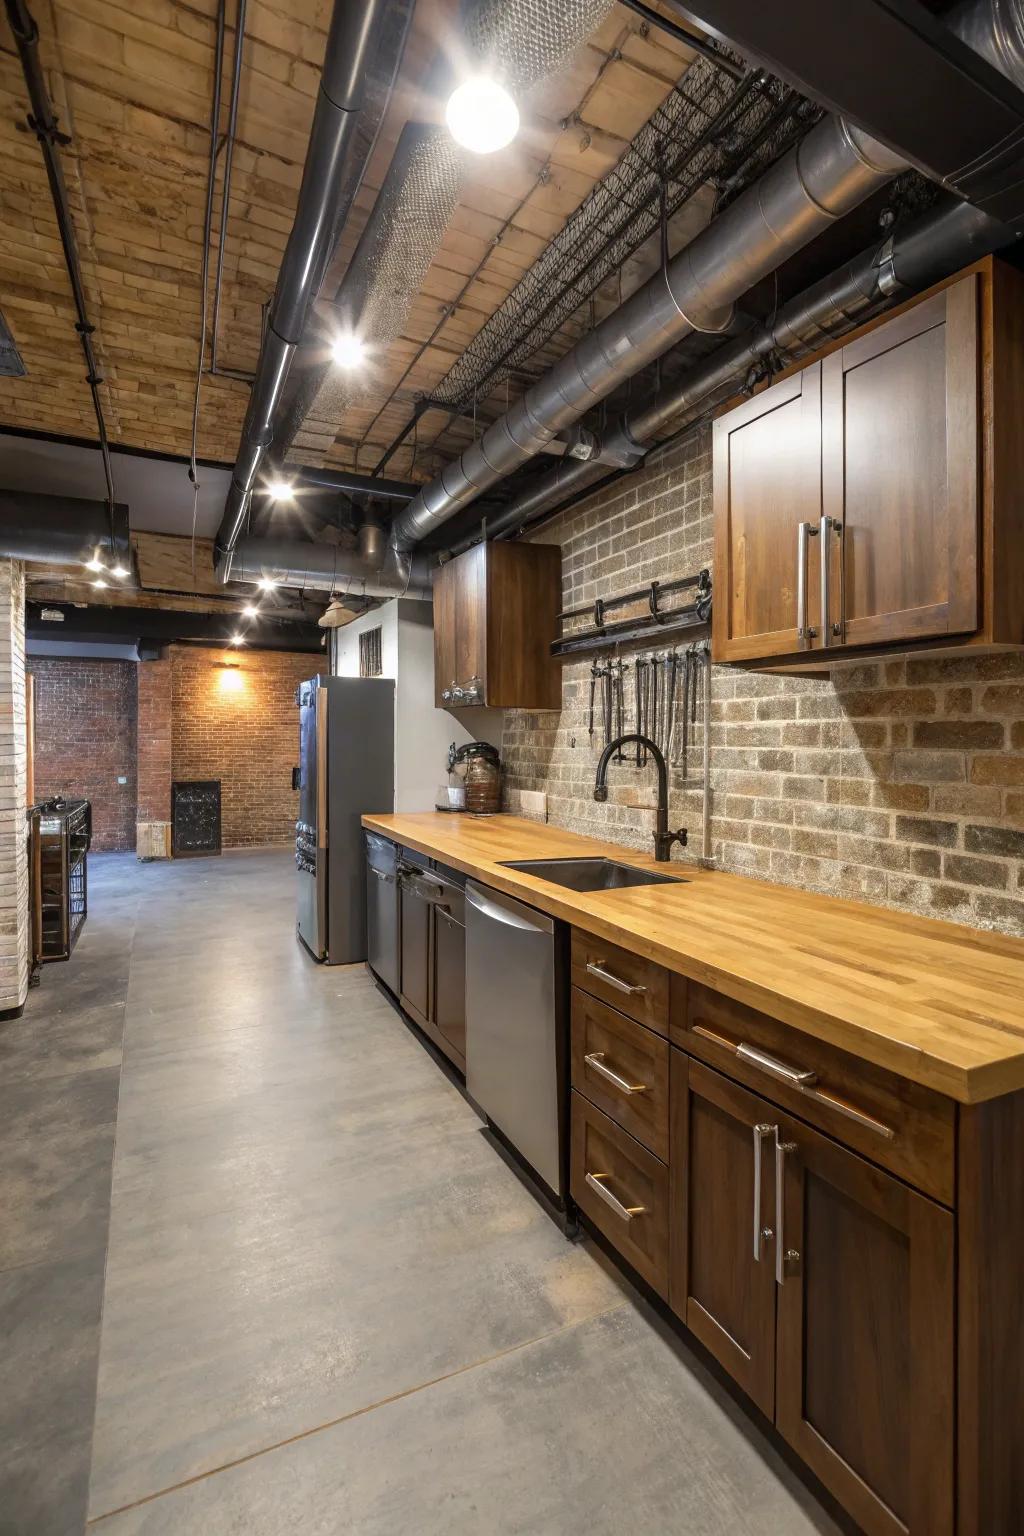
99,582
237,640
250,611
120,571
230,678
347,351
267,583
481,115
94,564
280,490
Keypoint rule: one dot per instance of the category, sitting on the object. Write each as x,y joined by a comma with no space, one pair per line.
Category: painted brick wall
234,719
899,783
85,740
14,945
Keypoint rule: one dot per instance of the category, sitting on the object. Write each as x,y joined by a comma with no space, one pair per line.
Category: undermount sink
589,874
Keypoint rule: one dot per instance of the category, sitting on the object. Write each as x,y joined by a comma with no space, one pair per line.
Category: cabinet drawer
628,982
623,1189
899,1125
622,1068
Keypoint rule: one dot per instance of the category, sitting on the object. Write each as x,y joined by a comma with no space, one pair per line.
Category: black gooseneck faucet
663,838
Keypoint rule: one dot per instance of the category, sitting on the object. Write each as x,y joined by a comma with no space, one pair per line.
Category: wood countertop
937,1003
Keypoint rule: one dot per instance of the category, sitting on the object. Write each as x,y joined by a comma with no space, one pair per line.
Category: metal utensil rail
664,623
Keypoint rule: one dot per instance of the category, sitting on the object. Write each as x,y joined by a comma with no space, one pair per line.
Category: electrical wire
211,176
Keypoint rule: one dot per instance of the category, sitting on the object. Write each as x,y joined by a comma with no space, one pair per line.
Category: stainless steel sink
589,874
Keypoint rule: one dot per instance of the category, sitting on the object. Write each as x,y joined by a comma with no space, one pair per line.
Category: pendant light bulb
481,115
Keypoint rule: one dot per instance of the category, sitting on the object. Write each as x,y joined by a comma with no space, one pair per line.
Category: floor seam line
355,1413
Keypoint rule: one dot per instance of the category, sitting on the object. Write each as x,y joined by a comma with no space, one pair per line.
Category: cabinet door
900,475
450,981
864,1366
415,950
722,1276
767,482
460,620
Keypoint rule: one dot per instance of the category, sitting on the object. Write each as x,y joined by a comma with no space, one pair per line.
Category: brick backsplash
897,782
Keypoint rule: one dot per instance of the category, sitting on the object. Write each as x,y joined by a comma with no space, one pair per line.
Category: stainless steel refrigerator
346,770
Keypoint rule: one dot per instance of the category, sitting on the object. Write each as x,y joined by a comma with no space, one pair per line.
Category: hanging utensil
593,688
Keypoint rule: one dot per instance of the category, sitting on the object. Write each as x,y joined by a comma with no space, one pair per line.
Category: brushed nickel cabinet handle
782,1253
828,526
597,1061
804,533
760,1132
797,1077
627,1212
595,968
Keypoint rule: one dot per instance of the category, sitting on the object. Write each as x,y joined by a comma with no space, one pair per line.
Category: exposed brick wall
85,716
154,769
14,940
234,719
897,782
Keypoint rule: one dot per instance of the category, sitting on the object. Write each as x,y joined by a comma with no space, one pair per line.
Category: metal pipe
229,151
61,530
43,121
326,568
336,155
995,29
204,269
829,173
354,484
949,236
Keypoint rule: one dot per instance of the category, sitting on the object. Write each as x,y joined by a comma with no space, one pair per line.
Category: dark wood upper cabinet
724,1294
864,1365
767,483
880,481
495,616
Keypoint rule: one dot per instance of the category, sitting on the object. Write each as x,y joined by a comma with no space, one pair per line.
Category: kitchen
595,1095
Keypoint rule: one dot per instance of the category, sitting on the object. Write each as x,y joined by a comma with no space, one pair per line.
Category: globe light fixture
348,351
481,115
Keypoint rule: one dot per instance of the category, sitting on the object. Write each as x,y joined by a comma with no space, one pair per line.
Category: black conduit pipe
43,121
334,145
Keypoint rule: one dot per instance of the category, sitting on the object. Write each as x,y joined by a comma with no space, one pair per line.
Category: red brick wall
154,693
234,719
85,733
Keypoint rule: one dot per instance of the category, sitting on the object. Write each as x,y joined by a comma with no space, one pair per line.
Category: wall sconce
230,677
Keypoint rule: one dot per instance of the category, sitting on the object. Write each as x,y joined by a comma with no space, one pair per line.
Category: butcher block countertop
940,1004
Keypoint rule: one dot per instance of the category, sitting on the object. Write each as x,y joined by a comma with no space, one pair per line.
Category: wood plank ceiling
132,84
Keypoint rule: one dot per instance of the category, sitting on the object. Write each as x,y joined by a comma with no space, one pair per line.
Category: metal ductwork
371,571
828,174
62,530
364,34
905,75
949,236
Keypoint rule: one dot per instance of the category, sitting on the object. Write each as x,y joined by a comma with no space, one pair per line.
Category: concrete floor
329,1305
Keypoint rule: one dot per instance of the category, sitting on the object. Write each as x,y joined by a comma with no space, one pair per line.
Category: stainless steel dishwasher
517,1042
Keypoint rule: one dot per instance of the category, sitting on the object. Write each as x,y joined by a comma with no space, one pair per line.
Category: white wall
422,732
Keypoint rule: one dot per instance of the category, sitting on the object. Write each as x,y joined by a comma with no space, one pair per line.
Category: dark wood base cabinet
867,1294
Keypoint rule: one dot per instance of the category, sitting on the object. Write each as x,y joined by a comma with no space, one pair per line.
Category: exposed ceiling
132,86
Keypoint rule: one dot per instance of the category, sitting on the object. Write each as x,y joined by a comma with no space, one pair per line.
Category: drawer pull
805,1082
596,1060
595,968
796,1076
626,1212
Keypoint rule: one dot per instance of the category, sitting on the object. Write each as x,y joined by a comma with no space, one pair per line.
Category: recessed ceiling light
267,583
481,115
348,351
120,571
99,582
280,490
237,640
94,564
250,611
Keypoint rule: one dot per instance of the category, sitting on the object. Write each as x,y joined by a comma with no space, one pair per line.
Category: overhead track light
481,115
280,490
267,583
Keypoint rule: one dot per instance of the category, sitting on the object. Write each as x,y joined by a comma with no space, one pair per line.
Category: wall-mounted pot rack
658,624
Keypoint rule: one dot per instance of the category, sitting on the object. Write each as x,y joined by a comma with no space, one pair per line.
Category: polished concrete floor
328,1305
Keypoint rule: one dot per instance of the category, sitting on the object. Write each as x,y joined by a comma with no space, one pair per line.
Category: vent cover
11,365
